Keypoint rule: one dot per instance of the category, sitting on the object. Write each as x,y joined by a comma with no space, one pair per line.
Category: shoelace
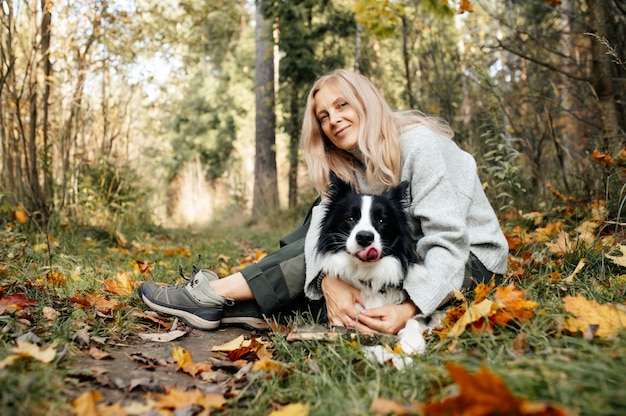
194,269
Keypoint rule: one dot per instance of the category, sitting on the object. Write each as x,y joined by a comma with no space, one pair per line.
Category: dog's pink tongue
369,254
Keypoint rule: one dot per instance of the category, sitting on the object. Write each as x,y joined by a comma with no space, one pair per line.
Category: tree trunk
293,147
265,175
46,35
602,70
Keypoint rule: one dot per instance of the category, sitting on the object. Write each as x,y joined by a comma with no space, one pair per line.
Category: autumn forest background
133,130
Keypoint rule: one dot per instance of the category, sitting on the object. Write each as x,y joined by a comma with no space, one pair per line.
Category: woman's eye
343,104
323,118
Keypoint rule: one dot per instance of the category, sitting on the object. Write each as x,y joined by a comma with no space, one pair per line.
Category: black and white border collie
366,241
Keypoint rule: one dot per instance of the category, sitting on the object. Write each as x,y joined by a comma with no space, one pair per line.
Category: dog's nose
364,238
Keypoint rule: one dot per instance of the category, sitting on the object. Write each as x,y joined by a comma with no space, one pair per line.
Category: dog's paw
381,355
411,337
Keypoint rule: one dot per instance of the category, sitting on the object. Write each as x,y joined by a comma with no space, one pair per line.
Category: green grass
586,377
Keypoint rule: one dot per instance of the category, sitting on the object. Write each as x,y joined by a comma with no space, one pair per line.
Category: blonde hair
379,129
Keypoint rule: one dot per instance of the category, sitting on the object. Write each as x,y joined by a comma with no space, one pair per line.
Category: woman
350,129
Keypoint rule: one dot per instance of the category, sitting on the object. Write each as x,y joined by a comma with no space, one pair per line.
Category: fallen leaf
608,318
50,314
164,336
20,214
25,349
85,404
122,285
98,354
95,300
14,303
474,313
579,267
485,394
511,305
176,399
143,267
387,406
465,6
620,259
186,364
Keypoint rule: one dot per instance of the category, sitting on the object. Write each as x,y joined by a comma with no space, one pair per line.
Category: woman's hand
341,299
388,319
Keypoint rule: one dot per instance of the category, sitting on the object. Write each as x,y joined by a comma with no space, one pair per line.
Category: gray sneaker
244,314
194,302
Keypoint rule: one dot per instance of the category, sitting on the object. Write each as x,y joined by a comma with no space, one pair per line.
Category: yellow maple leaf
185,362
177,399
603,321
471,315
25,349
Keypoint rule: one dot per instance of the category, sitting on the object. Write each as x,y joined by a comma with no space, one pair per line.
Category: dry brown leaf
485,394
50,314
98,354
163,336
387,406
603,321
95,300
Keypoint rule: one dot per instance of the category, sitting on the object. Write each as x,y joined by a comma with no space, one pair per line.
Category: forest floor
76,339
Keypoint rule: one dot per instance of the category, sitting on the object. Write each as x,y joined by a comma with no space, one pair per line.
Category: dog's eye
382,221
350,220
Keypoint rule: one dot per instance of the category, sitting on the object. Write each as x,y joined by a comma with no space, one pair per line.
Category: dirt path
136,366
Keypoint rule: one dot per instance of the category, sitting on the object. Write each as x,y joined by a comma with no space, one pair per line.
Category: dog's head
367,226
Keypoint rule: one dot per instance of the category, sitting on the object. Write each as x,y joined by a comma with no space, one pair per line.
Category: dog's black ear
399,193
337,186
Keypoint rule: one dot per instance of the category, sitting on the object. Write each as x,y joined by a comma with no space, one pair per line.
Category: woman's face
339,120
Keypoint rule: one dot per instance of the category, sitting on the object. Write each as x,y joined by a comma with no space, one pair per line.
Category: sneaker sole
190,318
246,323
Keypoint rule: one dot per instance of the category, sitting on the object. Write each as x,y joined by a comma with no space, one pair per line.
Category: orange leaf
603,158
485,394
102,304
16,302
123,285
465,6
85,404
512,306
20,214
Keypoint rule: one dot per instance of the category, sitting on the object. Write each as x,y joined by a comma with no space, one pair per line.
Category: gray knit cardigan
451,215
